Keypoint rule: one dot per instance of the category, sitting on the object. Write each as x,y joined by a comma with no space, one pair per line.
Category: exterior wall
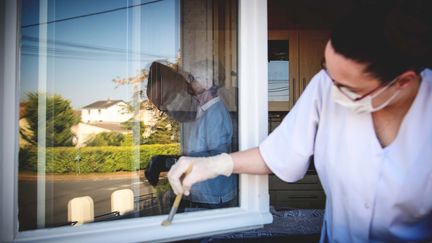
84,131
115,113
85,116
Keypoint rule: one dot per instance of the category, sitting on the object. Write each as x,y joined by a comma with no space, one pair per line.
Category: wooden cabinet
306,193
305,52
302,52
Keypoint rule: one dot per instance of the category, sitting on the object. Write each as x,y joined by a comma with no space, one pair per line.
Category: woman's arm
203,168
249,162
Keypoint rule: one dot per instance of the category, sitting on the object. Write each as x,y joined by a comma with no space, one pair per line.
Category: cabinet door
311,53
304,52
283,46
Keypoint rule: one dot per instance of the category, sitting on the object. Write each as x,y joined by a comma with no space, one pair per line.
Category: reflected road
59,189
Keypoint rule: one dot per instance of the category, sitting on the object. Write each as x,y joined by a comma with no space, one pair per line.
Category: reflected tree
59,119
157,127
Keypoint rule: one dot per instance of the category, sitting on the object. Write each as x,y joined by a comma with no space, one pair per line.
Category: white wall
115,113
84,131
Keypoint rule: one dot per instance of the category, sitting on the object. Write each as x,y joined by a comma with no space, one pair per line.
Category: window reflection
191,98
278,70
94,145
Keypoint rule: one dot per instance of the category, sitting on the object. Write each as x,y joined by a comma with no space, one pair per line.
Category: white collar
209,103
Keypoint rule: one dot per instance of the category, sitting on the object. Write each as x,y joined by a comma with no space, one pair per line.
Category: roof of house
102,104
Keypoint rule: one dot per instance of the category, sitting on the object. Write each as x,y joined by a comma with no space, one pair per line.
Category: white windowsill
185,226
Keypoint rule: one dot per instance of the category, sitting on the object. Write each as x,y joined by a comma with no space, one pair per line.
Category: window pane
278,70
112,93
278,82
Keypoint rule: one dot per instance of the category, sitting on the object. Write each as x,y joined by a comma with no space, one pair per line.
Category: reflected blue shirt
210,134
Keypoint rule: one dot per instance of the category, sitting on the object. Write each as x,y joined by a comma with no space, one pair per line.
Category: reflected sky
278,72
90,43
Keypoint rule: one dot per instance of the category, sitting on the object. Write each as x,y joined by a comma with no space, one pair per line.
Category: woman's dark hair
389,41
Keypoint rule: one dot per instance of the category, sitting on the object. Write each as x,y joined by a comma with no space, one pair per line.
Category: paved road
60,190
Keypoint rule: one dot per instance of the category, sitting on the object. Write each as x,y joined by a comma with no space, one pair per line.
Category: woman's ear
407,78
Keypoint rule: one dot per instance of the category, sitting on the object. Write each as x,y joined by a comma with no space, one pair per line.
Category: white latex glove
203,168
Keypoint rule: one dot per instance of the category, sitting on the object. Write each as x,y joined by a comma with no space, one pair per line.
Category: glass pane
278,76
111,94
278,70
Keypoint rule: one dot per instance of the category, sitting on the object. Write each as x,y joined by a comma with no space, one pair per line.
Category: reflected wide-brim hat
167,89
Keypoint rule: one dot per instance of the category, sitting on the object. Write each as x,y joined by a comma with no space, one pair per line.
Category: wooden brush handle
177,200
180,195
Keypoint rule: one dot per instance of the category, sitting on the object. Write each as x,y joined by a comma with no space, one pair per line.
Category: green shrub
106,139
94,159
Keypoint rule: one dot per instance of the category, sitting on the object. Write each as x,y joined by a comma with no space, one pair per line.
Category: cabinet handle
304,83
294,98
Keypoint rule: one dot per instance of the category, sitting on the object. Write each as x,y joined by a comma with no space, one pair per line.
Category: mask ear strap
385,87
386,102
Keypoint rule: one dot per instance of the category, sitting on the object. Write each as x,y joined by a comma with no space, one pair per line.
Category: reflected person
209,134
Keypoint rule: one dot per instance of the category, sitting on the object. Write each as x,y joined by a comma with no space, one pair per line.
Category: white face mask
361,106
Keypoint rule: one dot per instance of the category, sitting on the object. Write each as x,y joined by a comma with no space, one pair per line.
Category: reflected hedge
94,159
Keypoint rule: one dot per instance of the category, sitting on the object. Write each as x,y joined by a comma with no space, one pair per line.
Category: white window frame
254,197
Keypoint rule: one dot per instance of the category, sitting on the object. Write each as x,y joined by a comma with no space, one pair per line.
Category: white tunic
374,194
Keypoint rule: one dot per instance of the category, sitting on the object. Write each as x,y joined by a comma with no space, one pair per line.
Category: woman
366,118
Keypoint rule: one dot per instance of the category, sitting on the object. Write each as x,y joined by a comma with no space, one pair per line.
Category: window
278,73
279,90
251,212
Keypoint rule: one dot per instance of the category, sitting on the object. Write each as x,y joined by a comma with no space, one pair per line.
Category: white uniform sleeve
289,147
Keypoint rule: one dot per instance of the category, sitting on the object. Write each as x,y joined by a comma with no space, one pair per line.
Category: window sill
185,226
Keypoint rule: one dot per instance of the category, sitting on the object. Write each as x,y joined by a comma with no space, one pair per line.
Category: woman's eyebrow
346,86
337,83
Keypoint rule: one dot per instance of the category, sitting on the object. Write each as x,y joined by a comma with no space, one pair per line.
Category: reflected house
106,111
102,116
108,116
84,131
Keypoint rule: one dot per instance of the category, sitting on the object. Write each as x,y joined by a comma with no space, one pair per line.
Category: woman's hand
203,168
